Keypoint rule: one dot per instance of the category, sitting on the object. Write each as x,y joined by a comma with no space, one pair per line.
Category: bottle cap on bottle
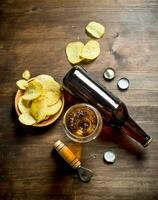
123,83
109,157
148,142
109,73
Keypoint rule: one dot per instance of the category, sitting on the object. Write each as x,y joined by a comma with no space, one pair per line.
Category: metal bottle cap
123,83
109,157
109,73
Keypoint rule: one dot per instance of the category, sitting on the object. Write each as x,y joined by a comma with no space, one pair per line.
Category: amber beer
113,110
81,121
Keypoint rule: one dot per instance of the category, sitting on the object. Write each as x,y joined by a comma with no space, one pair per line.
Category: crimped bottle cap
109,157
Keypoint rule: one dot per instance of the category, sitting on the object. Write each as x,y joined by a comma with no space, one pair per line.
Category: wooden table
33,35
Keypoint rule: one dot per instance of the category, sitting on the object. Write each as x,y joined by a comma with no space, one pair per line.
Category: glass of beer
82,122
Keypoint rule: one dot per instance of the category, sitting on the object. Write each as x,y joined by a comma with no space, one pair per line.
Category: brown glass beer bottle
113,110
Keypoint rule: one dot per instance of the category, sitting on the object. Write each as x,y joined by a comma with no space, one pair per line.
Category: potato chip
26,119
27,103
51,85
51,98
26,74
73,51
33,90
51,110
48,82
38,109
95,29
22,105
44,77
91,50
22,84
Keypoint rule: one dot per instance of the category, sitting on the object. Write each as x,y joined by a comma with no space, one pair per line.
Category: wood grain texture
33,35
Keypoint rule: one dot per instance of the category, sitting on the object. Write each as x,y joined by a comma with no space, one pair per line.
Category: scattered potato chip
38,109
26,74
33,90
22,105
27,119
22,84
91,50
95,29
51,110
73,51
48,82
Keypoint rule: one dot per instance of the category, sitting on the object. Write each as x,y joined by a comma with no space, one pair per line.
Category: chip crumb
26,75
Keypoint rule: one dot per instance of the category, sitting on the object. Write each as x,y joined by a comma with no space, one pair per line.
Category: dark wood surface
33,35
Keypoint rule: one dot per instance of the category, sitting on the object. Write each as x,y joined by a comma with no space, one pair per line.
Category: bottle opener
83,173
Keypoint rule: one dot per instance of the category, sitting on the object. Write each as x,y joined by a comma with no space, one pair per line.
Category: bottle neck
131,128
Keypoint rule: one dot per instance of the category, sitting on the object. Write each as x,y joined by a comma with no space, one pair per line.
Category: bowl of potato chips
39,101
